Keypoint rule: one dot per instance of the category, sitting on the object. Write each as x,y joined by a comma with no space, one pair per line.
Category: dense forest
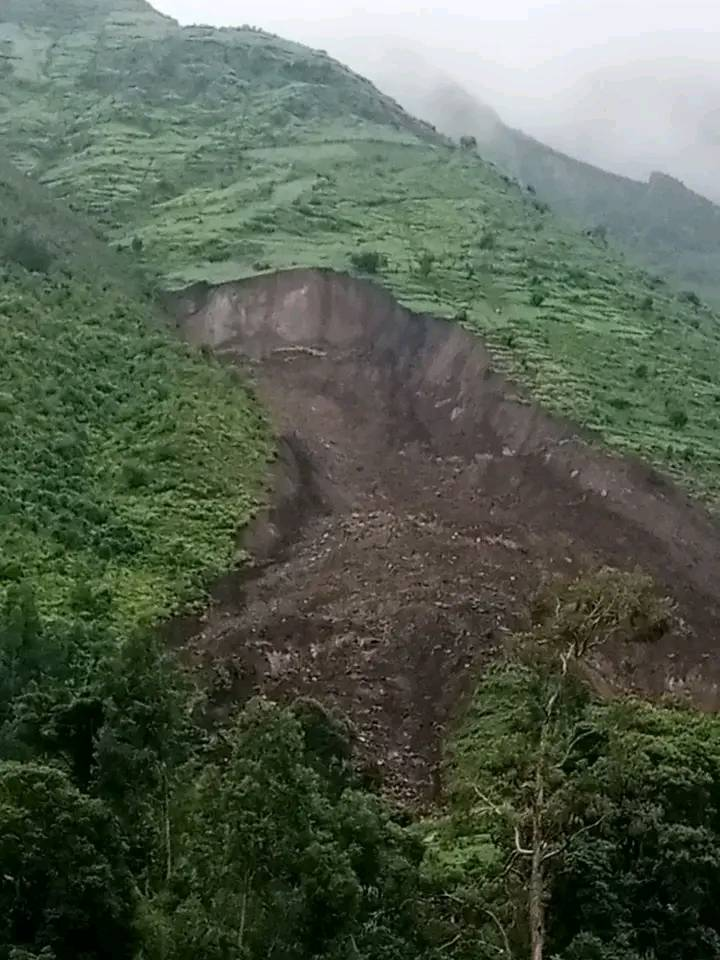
571,824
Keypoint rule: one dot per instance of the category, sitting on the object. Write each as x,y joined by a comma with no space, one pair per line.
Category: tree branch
571,746
503,932
488,802
518,847
573,836
450,943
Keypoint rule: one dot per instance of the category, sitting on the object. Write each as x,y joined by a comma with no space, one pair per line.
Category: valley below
420,499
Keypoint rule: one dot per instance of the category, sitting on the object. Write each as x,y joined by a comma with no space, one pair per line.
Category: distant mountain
648,112
665,226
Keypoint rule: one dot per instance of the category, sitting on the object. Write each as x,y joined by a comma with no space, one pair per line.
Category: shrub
425,263
641,371
29,252
646,304
135,475
678,418
487,240
689,296
605,605
537,298
468,143
368,261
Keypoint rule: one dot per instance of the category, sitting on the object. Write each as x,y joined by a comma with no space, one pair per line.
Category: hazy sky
630,84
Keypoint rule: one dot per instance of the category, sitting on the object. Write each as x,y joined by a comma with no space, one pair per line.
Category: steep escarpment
436,497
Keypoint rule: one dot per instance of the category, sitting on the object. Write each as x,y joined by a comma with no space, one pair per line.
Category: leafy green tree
41,665
426,262
277,859
126,734
65,891
646,883
520,760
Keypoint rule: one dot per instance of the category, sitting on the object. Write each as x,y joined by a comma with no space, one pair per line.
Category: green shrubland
127,463
572,825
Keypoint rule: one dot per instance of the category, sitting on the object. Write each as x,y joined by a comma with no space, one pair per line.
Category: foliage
263,836
596,813
678,418
64,886
126,461
599,608
368,261
661,223
22,248
274,861
426,262
263,840
127,828
647,883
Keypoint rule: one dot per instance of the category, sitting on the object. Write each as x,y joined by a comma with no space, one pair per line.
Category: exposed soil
420,499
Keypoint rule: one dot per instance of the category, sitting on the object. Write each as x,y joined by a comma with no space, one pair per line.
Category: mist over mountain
658,219
632,88
631,118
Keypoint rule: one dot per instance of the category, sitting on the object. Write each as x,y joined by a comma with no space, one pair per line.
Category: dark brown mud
420,499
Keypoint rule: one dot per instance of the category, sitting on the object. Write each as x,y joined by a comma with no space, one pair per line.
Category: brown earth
420,499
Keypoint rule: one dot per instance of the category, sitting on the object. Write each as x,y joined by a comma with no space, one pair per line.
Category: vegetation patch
127,462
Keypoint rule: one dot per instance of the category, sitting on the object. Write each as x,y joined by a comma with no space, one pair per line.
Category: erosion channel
420,499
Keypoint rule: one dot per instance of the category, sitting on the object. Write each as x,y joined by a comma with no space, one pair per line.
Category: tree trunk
536,895
536,898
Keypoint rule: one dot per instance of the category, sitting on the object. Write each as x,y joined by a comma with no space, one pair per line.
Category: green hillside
661,223
138,819
126,463
232,152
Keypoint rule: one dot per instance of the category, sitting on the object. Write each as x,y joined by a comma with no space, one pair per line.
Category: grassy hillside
224,153
662,224
126,463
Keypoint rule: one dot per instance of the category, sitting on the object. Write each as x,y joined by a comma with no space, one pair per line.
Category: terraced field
218,154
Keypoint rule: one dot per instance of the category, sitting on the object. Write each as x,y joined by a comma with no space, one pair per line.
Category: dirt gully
419,500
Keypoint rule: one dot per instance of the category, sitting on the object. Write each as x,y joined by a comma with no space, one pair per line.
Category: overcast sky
630,84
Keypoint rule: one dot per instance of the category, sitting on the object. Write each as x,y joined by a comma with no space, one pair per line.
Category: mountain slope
661,223
224,153
126,463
